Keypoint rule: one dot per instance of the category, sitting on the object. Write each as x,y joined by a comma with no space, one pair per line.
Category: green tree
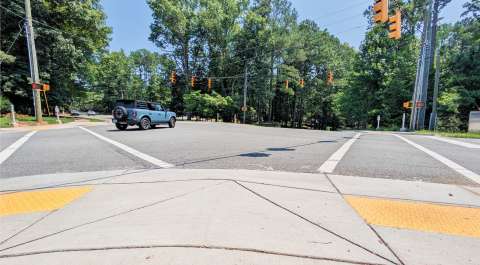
69,34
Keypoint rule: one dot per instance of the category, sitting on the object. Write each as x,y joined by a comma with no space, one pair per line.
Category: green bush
4,105
207,105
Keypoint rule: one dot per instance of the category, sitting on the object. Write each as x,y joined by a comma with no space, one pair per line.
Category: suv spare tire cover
120,112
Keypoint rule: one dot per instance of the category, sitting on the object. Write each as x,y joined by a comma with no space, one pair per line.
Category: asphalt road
231,146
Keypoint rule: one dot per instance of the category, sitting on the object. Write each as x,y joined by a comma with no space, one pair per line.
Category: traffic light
330,78
380,9
209,85
286,84
395,26
302,83
46,87
192,83
173,78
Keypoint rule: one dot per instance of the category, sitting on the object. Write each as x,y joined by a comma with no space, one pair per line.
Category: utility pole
433,117
417,118
416,88
244,109
32,55
427,64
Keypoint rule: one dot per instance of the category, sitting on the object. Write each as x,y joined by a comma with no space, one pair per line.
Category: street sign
244,108
36,86
420,104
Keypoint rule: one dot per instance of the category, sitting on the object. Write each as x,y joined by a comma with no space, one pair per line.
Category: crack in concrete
212,247
313,223
111,216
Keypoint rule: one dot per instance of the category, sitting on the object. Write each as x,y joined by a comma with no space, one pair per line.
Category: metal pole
403,129
413,115
417,87
426,67
433,116
12,111
32,52
245,94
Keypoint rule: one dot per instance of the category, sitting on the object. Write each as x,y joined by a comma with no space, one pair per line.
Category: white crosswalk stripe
7,152
449,163
330,165
130,150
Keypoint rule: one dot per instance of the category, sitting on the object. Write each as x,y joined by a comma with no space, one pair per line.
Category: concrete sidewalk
175,216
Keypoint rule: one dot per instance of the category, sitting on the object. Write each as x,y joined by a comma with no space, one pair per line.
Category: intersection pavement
237,195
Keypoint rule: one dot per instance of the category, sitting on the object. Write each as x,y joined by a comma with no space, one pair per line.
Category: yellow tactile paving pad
38,201
453,220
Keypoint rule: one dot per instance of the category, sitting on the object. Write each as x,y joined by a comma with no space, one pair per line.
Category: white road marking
7,152
449,163
451,141
130,150
330,165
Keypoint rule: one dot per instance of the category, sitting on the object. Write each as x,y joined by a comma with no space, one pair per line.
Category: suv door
153,113
162,113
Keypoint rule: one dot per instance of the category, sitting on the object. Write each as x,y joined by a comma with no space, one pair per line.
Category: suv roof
132,101
138,104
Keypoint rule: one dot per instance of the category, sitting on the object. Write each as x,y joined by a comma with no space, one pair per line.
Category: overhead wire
14,40
238,52
334,12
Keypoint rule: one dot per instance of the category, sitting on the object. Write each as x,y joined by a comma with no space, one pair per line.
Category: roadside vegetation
473,135
222,40
25,120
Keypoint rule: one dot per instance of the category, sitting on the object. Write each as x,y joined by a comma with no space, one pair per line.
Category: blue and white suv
142,113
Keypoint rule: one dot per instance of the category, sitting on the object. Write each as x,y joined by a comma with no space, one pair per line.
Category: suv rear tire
171,123
145,123
121,127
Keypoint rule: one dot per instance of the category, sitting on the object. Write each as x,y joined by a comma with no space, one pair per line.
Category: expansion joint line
312,222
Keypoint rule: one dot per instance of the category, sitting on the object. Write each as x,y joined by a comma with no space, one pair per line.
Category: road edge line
331,163
7,152
130,150
455,142
449,163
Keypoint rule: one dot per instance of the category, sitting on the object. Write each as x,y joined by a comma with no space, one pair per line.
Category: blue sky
130,20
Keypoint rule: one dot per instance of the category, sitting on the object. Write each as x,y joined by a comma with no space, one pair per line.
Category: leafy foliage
68,34
260,43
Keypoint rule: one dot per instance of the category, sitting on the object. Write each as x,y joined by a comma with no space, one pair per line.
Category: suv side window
159,107
141,105
151,106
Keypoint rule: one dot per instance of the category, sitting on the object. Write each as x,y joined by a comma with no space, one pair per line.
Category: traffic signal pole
433,117
427,64
244,109
417,119
32,55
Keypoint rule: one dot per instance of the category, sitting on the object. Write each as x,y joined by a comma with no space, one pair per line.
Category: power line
343,9
19,15
16,37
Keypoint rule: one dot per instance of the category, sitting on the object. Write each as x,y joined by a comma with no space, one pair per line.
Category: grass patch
94,120
452,134
6,122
